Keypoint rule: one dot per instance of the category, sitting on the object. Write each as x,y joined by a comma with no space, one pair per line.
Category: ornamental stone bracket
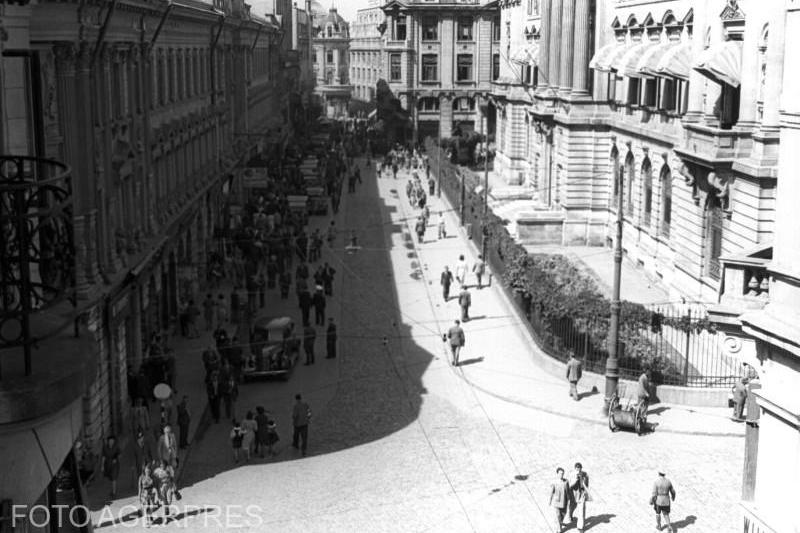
705,183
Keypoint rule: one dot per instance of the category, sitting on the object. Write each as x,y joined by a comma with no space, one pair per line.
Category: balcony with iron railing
45,353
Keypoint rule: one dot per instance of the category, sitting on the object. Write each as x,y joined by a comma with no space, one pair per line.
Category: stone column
567,47
544,48
554,70
582,43
445,117
694,110
775,73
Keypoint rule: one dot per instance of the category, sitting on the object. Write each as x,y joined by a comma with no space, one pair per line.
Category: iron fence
681,349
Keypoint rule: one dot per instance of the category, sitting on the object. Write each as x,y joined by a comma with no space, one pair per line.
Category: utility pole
439,164
485,122
612,362
463,195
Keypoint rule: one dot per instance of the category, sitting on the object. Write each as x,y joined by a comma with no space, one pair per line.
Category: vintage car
274,348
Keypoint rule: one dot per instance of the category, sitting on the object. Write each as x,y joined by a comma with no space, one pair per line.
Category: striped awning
646,66
676,62
722,63
604,57
626,64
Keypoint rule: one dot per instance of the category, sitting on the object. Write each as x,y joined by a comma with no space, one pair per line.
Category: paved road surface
401,441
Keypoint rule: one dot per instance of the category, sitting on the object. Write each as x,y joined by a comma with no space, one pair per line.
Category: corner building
438,60
331,58
673,105
366,51
123,124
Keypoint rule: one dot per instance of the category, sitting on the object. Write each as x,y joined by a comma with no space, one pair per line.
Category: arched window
713,236
647,191
616,176
628,187
665,177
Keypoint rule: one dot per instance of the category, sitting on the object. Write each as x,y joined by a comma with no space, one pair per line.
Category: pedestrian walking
109,463
147,493
643,391
574,373
301,417
662,497
464,301
306,302
579,487
222,310
441,227
431,183
168,447
261,430
184,418
461,270
559,499
208,311
330,339
446,280
331,237
739,399
229,391
318,301
479,269
394,170
142,453
164,477
420,229
140,416
250,427
456,337
309,338
237,439
328,273
213,392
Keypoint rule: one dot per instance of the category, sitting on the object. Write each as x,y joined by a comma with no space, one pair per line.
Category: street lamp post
612,362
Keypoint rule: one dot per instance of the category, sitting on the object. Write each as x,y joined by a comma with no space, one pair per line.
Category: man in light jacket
559,498
663,495
574,372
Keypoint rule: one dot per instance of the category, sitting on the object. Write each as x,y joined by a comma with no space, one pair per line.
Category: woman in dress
110,463
272,434
237,436
250,427
147,493
164,476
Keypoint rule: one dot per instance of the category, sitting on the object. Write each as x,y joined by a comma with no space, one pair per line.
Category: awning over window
526,55
676,62
604,57
722,63
627,63
646,66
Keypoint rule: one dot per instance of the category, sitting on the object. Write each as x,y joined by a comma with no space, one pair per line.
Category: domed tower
331,61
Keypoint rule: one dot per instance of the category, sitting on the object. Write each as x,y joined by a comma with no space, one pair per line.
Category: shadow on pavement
596,520
471,361
379,388
686,522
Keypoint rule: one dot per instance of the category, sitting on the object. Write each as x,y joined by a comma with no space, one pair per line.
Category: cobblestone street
402,441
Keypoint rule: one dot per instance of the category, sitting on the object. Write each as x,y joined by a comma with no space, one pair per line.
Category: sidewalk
277,396
512,374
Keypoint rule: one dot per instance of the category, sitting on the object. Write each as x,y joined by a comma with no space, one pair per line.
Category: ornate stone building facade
366,51
670,104
150,106
439,59
331,58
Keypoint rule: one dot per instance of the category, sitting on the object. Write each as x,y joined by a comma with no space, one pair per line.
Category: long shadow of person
686,522
596,520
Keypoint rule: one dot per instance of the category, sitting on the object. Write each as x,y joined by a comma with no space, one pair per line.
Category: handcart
626,413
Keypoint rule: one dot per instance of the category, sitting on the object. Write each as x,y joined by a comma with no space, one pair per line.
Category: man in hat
464,301
318,301
309,337
456,336
446,281
663,495
574,372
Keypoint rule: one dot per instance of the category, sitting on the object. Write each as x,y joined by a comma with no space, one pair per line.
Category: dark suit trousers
300,434
213,402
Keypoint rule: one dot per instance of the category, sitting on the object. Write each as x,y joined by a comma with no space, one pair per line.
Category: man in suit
559,498
574,372
663,495
479,269
579,485
301,416
309,338
213,390
456,336
465,301
330,339
446,281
